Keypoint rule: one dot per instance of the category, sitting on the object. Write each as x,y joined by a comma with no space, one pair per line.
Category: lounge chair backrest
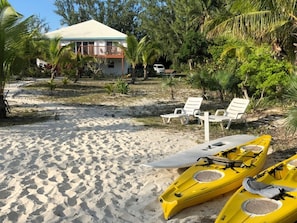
192,105
237,108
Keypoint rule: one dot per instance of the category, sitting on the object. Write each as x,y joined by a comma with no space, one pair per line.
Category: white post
206,127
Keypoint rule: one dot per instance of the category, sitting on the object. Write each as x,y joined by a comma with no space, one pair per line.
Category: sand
84,165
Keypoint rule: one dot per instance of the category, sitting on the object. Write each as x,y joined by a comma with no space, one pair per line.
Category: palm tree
240,51
80,62
132,52
170,82
291,120
271,21
264,20
56,54
12,32
149,53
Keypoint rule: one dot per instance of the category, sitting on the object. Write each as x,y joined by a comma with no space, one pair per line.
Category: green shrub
263,75
110,88
52,85
65,81
122,86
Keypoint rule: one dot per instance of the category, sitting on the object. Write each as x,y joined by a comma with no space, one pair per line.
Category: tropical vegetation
13,33
237,48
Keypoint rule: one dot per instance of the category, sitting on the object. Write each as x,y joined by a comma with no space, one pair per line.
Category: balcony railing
101,51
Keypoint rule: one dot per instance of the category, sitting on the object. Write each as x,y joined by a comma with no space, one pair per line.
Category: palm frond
13,31
255,24
291,120
291,94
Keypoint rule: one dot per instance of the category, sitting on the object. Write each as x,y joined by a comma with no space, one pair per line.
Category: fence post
206,126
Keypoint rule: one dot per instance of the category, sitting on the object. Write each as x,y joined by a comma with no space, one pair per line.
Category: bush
110,88
65,81
122,86
263,75
52,85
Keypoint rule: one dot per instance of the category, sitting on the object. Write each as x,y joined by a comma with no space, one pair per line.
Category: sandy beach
84,165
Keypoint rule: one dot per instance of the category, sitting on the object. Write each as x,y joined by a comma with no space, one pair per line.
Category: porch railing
101,51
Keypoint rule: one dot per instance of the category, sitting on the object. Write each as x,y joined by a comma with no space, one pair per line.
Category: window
109,47
85,48
110,64
77,47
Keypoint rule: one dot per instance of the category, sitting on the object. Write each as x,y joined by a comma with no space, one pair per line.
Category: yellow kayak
214,175
270,196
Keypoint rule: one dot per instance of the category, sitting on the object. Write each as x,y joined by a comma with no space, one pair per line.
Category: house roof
89,30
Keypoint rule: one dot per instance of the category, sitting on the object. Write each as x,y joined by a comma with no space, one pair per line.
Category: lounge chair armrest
220,112
238,114
179,111
196,112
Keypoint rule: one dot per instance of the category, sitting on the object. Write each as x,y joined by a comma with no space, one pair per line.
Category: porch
108,52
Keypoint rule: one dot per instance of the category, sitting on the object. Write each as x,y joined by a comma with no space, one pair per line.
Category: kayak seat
265,190
223,161
293,163
253,148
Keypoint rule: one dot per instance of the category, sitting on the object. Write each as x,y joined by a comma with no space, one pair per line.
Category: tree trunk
133,78
145,76
245,92
172,93
221,94
77,74
53,72
3,113
190,61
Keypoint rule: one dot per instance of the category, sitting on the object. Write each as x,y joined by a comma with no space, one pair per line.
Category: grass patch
93,92
25,118
88,91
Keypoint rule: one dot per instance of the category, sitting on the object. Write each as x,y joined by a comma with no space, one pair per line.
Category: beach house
96,39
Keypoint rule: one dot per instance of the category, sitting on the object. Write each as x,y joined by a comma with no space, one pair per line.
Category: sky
42,8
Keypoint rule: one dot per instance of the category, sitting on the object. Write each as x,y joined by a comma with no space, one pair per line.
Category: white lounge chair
191,108
234,112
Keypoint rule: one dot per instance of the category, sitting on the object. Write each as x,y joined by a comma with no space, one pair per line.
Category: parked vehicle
159,68
139,71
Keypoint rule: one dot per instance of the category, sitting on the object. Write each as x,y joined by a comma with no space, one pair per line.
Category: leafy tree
262,75
13,31
253,69
32,47
73,12
194,49
118,14
218,73
230,55
38,25
170,23
270,21
202,77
